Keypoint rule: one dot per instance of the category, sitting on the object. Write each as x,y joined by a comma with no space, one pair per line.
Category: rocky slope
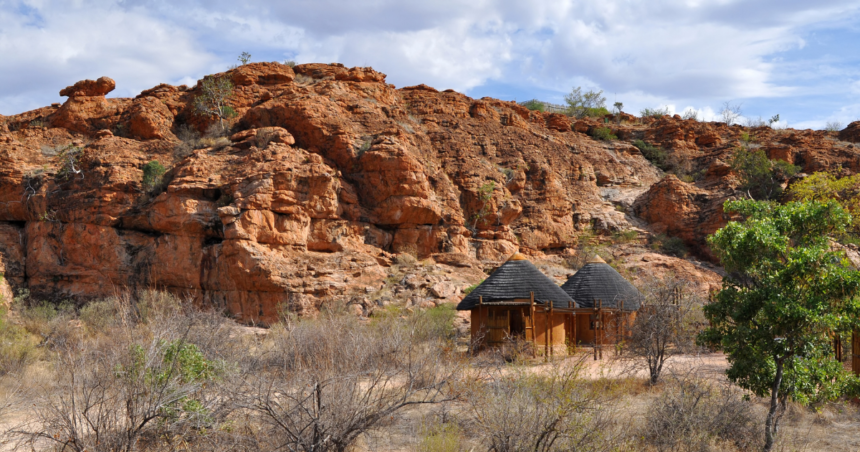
327,177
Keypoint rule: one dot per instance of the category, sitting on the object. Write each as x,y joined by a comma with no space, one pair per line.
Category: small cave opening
212,194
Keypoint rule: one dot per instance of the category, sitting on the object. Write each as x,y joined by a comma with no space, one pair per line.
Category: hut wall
480,319
611,322
479,322
557,324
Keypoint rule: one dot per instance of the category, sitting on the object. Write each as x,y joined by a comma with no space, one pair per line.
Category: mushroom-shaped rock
83,88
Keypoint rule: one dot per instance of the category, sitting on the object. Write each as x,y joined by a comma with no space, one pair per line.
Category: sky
796,58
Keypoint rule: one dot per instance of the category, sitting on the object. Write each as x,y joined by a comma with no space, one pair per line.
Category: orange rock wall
327,173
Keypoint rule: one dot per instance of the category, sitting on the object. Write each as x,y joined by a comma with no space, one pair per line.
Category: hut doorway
505,323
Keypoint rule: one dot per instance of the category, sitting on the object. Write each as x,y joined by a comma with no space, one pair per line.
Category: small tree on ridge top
589,103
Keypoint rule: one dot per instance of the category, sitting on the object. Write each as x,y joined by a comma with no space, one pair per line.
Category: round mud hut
519,302
607,302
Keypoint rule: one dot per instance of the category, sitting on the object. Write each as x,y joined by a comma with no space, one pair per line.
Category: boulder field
327,174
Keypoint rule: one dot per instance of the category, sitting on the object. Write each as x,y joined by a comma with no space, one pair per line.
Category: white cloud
648,54
67,41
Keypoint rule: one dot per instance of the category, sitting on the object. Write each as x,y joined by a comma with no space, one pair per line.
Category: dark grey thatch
516,279
596,281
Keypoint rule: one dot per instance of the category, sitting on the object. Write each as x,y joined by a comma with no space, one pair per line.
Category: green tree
152,175
213,98
535,105
589,103
785,294
761,177
825,187
244,58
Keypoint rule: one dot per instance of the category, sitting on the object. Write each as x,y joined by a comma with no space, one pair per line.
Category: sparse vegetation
153,173
603,133
730,113
244,58
290,63
761,178
68,163
554,411
189,140
664,326
214,98
833,126
469,289
653,154
485,195
691,414
691,113
752,123
534,105
658,112
673,246
150,372
588,103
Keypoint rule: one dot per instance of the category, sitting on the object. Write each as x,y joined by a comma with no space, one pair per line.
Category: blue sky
799,59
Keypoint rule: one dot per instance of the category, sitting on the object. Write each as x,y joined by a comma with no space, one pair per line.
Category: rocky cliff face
328,174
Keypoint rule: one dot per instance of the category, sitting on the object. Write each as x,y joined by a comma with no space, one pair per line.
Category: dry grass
149,372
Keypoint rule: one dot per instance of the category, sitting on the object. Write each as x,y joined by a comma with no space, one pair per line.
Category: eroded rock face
681,209
326,175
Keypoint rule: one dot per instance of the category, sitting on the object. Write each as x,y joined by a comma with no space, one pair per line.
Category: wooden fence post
532,320
551,342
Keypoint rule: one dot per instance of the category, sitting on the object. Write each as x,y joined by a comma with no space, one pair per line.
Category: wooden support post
551,342
485,320
596,329
600,319
619,340
545,335
532,321
574,331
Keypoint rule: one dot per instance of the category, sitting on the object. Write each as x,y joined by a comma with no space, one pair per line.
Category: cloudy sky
796,58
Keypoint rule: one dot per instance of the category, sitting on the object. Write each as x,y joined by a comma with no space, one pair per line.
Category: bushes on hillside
603,133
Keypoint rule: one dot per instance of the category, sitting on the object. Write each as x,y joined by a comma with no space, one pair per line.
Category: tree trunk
770,425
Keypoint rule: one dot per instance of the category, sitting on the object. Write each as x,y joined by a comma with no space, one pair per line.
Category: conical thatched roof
517,278
597,280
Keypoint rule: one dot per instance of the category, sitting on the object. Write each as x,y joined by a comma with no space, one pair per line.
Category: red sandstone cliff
330,172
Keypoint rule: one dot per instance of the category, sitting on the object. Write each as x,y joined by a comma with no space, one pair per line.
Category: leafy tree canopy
825,187
785,295
761,177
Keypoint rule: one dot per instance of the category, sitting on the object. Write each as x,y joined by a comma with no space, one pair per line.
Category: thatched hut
607,302
518,301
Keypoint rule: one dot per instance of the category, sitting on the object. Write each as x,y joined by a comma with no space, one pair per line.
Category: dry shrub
514,409
694,415
18,348
155,377
52,323
512,350
441,437
189,140
665,326
325,382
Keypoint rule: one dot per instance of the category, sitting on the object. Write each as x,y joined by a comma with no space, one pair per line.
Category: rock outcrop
325,176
